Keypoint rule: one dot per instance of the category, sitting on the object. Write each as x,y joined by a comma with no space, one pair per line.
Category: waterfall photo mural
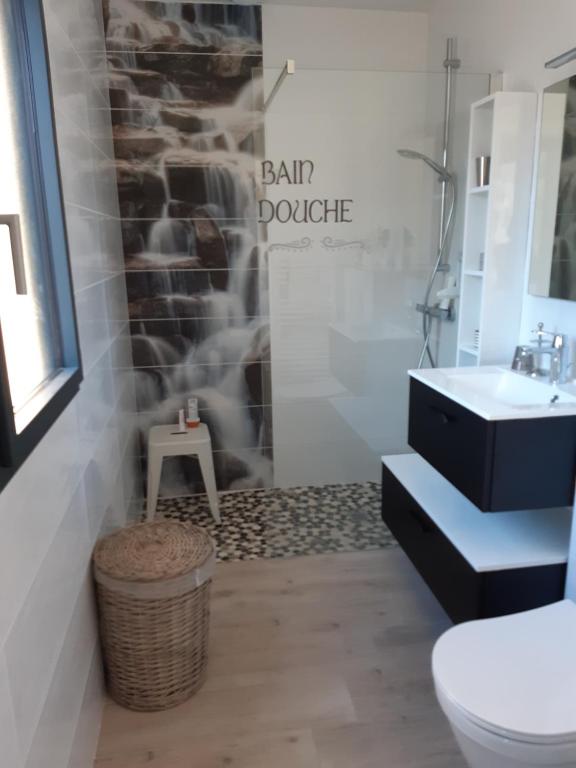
187,115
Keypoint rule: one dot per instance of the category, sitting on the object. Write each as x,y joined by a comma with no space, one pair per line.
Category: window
39,358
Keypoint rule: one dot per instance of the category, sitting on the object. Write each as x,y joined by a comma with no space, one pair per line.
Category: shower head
411,154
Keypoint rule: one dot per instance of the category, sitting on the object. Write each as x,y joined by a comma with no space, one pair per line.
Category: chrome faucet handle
540,333
559,341
523,360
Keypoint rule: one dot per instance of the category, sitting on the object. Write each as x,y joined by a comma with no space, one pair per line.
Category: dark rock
211,91
146,82
131,142
180,332
132,238
119,87
255,371
210,141
156,9
247,19
211,249
251,143
151,284
106,13
118,80
180,62
159,51
140,209
170,237
187,177
178,209
136,263
235,244
153,392
185,120
118,100
165,306
237,61
229,469
189,12
140,190
252,298
254,377
146,352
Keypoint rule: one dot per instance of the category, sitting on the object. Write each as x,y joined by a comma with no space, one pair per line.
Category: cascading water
215,329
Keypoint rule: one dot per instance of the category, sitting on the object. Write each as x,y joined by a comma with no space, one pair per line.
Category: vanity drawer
464,593
455,441
498,465
449,576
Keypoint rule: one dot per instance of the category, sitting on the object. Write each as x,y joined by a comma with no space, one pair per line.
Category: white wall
79,479
516,37
344,39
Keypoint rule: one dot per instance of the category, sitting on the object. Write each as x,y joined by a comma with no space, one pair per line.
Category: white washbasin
497,393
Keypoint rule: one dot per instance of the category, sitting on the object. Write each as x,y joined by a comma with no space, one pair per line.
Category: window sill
40,400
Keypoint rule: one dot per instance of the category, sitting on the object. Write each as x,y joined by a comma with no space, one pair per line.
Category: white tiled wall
80,479
515,37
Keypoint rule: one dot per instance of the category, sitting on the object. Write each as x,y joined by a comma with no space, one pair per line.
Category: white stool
167,441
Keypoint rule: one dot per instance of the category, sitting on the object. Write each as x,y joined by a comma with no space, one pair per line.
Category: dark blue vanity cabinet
498,465
469,583
435,502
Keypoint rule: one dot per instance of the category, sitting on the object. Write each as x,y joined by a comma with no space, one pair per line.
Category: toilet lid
514,675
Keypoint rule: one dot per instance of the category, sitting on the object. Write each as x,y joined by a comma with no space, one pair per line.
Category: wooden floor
316,662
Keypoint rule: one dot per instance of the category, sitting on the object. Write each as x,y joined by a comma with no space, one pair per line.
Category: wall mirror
553,265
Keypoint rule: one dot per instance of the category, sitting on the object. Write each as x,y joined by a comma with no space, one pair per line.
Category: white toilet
508,687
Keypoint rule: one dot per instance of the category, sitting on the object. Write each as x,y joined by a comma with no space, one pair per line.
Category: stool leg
207,469
153,485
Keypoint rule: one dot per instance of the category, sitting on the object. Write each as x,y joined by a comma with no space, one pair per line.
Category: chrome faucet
528,358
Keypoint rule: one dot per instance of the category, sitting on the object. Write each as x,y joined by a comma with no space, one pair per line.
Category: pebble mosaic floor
269,523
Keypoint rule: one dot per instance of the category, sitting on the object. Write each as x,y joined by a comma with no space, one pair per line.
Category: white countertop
489,541
498,394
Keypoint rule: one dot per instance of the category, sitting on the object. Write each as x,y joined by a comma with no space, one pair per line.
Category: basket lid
151,552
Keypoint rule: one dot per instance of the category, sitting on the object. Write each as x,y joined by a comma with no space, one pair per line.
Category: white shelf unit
496,222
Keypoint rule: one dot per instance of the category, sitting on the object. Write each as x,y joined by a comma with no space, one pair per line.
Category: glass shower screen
349,232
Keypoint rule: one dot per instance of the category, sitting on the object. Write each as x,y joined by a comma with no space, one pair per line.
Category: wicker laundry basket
153,586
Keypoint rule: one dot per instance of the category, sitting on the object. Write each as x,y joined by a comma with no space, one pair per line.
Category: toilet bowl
508,688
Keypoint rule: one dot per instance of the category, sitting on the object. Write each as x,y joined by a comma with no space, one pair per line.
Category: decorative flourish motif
295,245
333,245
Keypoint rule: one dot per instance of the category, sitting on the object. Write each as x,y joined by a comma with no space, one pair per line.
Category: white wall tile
31,509
88,725
96,403
35,642
116,512
84,239
54,736
93,328
11,755
111,243
53,508
116,303
100,481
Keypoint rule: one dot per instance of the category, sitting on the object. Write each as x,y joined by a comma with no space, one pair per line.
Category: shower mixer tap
556,349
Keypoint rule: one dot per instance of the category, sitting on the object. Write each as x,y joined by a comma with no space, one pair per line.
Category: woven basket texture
155,646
